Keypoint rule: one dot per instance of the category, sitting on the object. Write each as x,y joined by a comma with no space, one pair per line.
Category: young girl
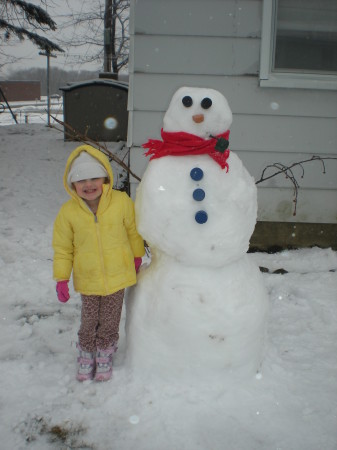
95,237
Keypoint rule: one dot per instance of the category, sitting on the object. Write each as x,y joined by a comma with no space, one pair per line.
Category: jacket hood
93,152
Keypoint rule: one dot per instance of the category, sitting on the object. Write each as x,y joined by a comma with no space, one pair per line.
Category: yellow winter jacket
99,249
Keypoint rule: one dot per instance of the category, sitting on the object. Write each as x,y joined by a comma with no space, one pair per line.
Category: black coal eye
187,101
206,103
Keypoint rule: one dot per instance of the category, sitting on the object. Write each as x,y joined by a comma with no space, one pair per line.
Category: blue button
198,195
201,217
196,174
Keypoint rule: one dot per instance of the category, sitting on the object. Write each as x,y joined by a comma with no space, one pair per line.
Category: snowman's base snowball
197,322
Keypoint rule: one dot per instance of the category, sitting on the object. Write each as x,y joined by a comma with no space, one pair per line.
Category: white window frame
279,79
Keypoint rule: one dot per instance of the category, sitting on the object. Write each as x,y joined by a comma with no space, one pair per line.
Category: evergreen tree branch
19,18
34,14
40,41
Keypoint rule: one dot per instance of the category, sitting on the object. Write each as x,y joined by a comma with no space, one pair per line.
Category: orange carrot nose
198,118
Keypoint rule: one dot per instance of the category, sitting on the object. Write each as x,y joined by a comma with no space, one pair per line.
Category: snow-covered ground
291,406
33,111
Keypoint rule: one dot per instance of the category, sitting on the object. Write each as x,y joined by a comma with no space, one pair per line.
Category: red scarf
182,144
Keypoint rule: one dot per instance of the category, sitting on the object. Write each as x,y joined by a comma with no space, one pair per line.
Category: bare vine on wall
287,171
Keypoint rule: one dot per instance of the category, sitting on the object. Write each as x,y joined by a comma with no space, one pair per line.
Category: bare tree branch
70,132
87,27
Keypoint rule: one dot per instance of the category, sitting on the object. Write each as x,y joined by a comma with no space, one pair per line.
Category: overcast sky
29,56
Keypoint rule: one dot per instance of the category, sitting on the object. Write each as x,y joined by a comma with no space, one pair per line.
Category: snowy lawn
292,406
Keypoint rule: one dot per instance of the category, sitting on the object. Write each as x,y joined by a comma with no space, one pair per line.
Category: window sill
300,81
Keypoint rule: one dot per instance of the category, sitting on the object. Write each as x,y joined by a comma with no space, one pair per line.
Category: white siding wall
216,43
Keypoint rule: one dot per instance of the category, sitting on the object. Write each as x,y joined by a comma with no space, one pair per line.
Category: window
299,44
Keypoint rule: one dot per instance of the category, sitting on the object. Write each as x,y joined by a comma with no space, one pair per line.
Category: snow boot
86,367
104,363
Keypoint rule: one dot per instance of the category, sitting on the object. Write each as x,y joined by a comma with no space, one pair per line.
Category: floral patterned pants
100,318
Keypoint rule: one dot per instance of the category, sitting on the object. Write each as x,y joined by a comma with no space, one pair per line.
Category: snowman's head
199,111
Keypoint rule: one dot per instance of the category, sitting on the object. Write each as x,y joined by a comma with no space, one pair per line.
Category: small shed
96,109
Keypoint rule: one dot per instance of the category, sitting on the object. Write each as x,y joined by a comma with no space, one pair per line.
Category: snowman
199,309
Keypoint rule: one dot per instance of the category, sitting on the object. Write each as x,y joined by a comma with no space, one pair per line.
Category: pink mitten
138,262
62,291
